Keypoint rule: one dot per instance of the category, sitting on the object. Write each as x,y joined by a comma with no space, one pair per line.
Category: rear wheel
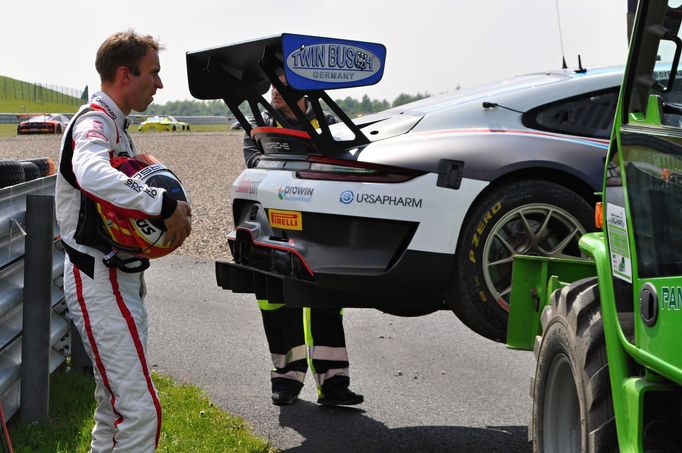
572,404
528,217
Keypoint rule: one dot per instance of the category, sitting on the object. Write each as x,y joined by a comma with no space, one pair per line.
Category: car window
588,115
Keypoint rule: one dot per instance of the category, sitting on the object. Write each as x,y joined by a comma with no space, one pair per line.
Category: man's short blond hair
123,49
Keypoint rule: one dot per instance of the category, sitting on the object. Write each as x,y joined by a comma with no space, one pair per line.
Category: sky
432,46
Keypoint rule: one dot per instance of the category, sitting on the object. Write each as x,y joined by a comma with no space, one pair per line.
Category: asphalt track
430,384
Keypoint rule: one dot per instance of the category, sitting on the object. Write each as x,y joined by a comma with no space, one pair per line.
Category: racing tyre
11,173
31,170
58,130
187,128
44,164
523,217
572,404
175,128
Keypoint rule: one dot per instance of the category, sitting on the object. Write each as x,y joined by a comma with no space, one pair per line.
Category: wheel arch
553,175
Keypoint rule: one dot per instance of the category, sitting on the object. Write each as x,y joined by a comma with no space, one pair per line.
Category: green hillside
17,96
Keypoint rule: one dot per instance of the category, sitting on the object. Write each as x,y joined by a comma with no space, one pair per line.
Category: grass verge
7,130
194,128
191,423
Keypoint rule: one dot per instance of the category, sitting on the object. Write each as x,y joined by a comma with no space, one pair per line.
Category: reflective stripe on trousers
294,335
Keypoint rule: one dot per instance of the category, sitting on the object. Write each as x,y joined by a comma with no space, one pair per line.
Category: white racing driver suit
107,303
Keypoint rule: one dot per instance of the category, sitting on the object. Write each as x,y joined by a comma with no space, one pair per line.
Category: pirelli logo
286,220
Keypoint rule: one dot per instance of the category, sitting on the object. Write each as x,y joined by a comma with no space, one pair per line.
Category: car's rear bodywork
43,124
374,215
162,124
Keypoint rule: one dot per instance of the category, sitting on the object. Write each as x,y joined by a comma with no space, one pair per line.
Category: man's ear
123,74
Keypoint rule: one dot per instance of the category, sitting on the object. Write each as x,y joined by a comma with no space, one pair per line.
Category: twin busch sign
316,63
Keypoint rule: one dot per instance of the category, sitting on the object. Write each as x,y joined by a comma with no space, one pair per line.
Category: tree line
351,106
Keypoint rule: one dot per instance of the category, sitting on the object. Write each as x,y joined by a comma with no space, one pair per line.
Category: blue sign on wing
317,63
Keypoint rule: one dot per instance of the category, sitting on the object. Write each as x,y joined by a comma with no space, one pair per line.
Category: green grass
7,130
24,97
194,128
34,107
191,423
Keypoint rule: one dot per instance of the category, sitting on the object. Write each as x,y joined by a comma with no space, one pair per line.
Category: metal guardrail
12,233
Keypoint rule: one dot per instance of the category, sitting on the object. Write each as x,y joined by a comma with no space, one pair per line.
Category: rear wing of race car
245,71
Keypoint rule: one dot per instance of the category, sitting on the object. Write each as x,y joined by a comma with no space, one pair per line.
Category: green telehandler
607,332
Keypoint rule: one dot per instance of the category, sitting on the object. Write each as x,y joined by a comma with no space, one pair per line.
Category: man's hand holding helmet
151,237
178,225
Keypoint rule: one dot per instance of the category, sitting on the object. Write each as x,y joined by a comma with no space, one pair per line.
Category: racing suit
107,303
311,337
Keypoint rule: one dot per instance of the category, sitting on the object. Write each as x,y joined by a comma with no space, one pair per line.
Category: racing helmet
141,237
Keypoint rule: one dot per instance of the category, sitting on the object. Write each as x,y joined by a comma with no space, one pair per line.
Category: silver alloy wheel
537,229
561,427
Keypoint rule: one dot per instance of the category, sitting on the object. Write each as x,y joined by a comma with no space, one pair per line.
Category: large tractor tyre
31,170
11,173
44,164
525,217
572,404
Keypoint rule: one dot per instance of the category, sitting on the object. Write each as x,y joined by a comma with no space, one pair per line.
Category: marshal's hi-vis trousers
308,337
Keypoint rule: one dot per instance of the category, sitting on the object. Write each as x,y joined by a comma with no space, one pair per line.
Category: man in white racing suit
104,293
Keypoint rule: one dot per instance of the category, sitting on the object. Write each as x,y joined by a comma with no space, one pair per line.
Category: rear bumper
36,131
417,280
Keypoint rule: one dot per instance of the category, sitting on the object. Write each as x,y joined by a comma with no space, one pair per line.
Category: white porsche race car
414,209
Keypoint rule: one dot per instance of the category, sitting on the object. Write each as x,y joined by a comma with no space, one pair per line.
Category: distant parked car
43,124
163,123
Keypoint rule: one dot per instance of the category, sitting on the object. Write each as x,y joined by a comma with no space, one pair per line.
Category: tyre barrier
13,172
31,170
45,165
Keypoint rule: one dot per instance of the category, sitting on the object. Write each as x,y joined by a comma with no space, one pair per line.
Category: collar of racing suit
102,101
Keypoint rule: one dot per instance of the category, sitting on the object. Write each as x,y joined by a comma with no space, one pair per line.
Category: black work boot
285,391
340,396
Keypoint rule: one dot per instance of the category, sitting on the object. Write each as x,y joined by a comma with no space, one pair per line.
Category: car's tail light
326,168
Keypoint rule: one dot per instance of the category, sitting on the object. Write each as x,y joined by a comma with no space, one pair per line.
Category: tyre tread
11,173
577,307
